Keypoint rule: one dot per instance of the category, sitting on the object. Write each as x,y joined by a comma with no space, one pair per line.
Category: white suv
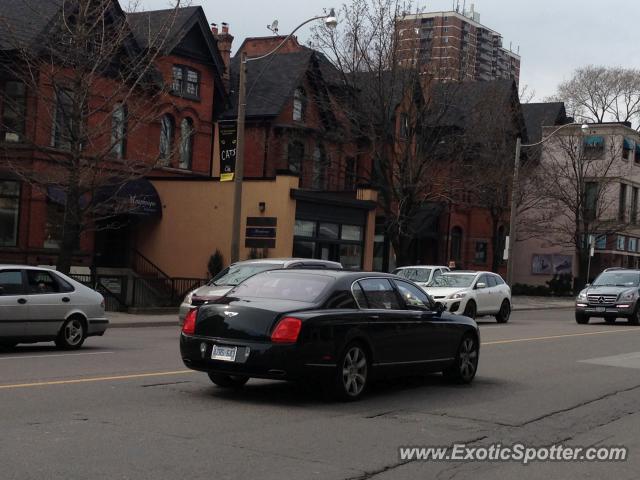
423,275
473,294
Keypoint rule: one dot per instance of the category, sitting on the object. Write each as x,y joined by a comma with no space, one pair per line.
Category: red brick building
175,141
297,125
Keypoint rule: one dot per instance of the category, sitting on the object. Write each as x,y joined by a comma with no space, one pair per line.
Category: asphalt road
124,407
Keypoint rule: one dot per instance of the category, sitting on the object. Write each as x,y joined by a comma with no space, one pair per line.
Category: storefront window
305,228
303,249
351,232
351,256
329,241
9,213
329,230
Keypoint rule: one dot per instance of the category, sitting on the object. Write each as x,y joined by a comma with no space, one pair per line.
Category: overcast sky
554,36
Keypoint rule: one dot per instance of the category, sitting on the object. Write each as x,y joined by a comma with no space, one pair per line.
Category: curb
525,309
144,324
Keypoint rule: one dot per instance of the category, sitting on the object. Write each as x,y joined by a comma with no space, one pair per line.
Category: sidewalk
128,320
542,303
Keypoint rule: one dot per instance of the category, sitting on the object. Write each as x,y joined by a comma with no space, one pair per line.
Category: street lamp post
330,21
515,188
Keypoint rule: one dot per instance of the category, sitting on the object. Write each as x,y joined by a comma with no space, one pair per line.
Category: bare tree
83,85
388,96
495,122
576,194
598,94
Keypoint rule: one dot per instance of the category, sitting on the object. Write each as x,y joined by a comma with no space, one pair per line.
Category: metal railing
112,287
154,292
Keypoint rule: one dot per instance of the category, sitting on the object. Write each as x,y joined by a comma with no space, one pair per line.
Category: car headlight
630,295
457,296
189,297
582,295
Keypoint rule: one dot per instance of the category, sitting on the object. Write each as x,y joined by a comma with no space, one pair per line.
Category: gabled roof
538,115
271,82
174,26
459,104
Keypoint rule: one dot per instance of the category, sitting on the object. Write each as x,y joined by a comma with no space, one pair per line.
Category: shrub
216,263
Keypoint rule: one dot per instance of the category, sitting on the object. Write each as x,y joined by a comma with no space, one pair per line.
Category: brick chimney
225,40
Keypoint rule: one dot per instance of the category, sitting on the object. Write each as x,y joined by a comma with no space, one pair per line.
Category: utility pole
238,175
512,215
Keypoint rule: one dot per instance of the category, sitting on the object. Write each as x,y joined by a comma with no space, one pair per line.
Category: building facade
452,46
607,156
175,140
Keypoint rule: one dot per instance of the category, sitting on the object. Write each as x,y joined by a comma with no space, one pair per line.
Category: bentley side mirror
481,285
587,285
440,307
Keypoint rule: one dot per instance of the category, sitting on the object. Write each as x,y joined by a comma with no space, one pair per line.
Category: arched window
299,103
119,130
186,143
456,244
167,127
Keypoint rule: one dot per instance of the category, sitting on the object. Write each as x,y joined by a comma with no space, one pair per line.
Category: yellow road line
94,379
552,337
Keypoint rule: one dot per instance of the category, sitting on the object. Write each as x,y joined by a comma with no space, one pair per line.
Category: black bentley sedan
341,328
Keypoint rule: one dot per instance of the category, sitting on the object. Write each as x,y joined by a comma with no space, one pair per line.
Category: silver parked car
237,272
42,305
423,275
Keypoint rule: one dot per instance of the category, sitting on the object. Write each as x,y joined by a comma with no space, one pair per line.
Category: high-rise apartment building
454,46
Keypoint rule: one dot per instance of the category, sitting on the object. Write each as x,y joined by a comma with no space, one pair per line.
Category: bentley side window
380,294
413,296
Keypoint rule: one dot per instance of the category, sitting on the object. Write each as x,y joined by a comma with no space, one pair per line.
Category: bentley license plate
226,354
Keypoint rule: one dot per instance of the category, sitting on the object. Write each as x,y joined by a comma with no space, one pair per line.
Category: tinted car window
499,280
11,282
491,280
39,281
341,299
358,294
64,285
233,275
412,296
283,286
380,294
617,279
415,274
483,279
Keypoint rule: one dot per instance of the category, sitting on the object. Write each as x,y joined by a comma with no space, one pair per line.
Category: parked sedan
41,305
340,328
239,271
473,294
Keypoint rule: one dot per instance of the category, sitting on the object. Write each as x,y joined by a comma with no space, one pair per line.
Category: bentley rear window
283,286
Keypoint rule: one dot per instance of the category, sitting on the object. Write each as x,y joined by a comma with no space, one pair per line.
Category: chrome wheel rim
468,358
354,371
73,332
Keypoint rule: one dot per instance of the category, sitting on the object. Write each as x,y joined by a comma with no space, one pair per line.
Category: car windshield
455,280
283,286
414,274
236,274
617,279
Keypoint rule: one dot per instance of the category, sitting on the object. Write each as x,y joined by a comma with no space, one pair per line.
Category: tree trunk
70,227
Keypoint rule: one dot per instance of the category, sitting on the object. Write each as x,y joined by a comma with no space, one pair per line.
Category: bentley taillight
287,330
189,325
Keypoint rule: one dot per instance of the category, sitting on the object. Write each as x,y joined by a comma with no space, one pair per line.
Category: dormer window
299,101
186,82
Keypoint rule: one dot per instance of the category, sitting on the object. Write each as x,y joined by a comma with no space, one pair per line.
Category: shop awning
138,198
594,141
135,197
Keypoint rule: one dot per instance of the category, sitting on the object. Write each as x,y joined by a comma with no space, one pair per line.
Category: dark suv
614,293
